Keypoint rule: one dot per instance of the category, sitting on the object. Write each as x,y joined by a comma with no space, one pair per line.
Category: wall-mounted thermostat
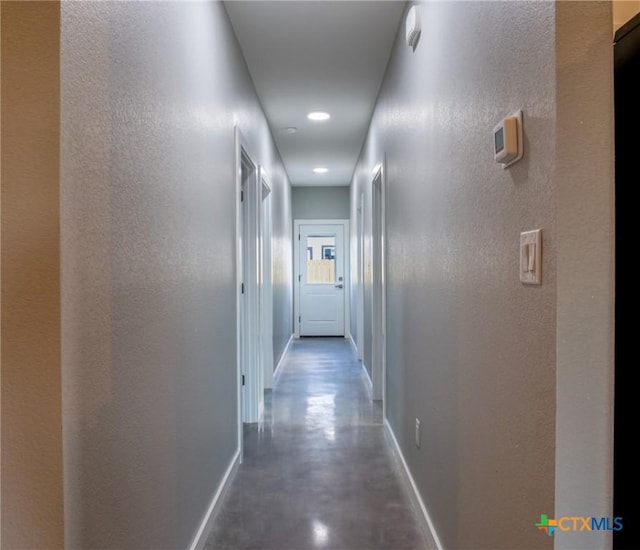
508,145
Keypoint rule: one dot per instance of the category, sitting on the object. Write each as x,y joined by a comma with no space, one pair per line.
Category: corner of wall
584,352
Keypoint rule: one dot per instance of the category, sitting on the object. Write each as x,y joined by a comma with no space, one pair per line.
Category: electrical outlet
417,433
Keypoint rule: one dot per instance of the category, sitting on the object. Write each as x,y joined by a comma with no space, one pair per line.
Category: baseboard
367,377
355,348
276,371
427,524
203,531
364,368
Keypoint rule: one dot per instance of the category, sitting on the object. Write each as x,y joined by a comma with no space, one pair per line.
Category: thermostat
508,146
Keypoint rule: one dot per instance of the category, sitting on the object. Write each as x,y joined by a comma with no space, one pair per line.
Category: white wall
151,93
471,351
319,203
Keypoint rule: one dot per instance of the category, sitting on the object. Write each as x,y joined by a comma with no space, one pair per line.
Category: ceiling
308,56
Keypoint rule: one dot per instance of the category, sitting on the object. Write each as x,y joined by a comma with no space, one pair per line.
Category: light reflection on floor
317,472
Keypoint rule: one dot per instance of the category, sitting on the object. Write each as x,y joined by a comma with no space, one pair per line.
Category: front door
322,280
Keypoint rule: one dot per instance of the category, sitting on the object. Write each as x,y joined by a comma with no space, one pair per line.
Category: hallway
318,473
162,164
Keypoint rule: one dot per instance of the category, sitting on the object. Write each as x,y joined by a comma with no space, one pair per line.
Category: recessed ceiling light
290,129
318,115
320,170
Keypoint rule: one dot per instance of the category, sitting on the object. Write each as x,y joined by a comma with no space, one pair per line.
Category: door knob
339,286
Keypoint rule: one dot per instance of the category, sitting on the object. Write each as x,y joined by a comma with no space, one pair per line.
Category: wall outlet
417,433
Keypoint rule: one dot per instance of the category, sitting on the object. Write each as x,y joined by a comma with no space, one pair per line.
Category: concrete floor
318,473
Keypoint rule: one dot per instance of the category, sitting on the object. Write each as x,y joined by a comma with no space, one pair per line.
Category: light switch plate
531,257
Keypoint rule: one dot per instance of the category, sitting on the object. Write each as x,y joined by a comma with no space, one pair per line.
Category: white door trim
360,278
296,271
379,293
266,281
238,145
250,396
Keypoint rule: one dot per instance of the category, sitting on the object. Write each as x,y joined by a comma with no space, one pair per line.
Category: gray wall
282,268
150,96
471,351
319,203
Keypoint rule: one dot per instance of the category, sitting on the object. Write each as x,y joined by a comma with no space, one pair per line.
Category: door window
321,259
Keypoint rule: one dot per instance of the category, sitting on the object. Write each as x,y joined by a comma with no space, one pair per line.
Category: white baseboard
355,348
427,524
203,531
276,372
367,376
364,368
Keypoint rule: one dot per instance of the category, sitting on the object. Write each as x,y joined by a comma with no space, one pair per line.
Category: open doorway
265,282
626,479
360,279
249,266
378,291
371,285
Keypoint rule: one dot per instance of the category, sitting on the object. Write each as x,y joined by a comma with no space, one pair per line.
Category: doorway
321,292
378,281
626,480
360,280
251,294
265,284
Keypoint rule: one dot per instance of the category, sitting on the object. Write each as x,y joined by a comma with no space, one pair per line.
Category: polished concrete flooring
318,473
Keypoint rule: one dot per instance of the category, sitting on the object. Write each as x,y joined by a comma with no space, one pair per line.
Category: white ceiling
317,56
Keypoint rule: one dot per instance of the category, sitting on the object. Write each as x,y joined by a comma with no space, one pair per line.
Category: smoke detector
413,27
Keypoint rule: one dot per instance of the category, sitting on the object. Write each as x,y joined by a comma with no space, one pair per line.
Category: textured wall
474,354
282,271
320,203
584,355
32,505
471,351
150,96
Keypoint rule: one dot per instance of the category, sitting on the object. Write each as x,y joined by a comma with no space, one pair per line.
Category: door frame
265,278
296,271
379,286
360,240
250,395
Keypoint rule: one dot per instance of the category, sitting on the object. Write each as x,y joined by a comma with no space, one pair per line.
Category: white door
322,280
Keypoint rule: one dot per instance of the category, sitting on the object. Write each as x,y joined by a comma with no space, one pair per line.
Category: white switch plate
531,257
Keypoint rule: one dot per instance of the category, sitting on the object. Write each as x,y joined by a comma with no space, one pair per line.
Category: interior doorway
265,284
378,282
360,280
249,274
626,479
